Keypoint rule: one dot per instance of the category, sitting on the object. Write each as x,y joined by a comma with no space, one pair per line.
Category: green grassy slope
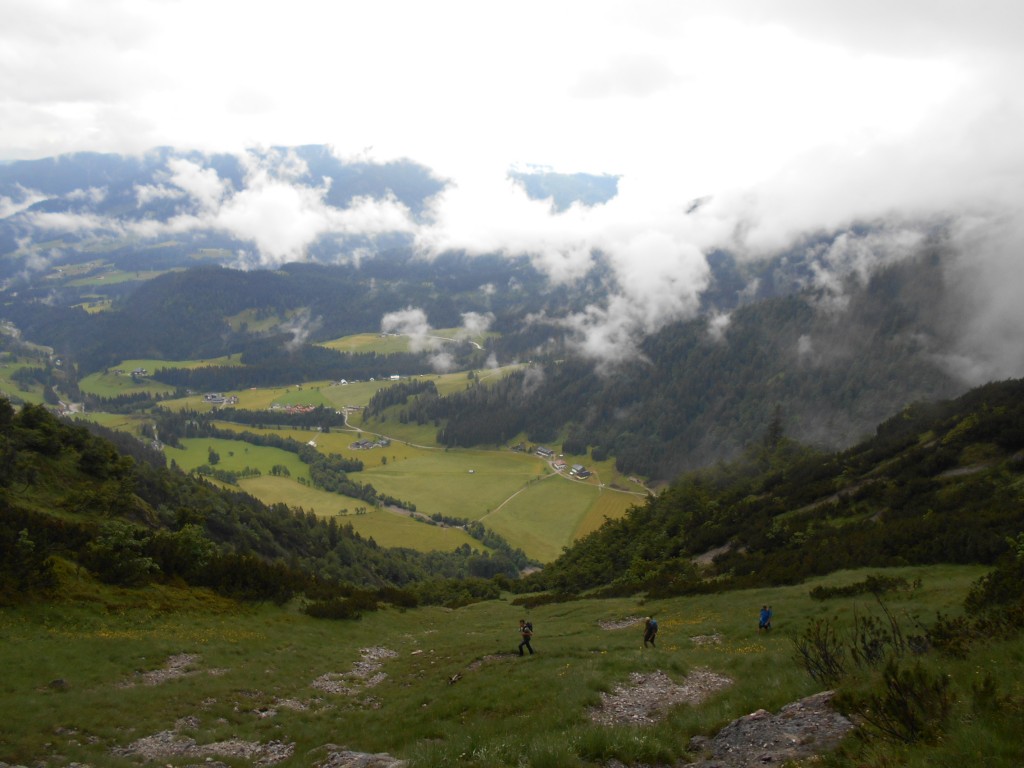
76,681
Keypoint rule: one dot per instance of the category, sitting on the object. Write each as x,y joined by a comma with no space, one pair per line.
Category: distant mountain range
67,206
146,240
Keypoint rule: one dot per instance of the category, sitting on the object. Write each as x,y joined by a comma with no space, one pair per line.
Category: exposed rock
340,757
364,674
799,730
166,744
648,697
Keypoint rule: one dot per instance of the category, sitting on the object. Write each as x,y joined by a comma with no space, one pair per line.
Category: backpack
529,626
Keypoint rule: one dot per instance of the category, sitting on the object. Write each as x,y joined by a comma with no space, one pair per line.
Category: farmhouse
544,453
216,398
559,465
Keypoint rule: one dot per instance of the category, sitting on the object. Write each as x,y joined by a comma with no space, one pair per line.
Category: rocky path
799,730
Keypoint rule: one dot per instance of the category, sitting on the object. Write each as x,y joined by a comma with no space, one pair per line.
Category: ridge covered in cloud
850,136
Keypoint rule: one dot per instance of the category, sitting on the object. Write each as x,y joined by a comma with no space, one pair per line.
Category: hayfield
610,504
543,517
459,483
386,527
235,456
382,344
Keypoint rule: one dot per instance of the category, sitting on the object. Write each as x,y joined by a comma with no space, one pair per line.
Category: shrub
875,585
912,706
822,652
116,555
338,608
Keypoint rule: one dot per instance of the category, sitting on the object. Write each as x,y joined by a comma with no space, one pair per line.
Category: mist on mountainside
685,328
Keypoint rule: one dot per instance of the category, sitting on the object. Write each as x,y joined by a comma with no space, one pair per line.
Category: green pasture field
610,504
337,441
441,481
96,305
115,276
12,389
122,422
382,344
412,433
253,321
235,455
255,399
77,271
387,528
75,679
305,394
539,518
111,384
394,343
544,516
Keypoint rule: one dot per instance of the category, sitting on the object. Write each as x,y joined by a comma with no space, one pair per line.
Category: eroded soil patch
648,697
365,673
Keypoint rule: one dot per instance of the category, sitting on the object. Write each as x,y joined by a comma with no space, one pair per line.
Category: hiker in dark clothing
526,631
650,631
764,621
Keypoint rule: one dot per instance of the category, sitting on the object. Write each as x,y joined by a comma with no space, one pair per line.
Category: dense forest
688,400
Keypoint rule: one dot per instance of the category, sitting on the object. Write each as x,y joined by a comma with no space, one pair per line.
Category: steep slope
67,493
938,483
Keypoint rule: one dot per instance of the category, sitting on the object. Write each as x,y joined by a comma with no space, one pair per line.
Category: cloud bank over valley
847,140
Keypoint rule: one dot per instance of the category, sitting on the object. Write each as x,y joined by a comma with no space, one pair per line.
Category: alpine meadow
586,386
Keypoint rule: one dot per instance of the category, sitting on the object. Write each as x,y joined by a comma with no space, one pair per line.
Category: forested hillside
69,494
938,483
689,399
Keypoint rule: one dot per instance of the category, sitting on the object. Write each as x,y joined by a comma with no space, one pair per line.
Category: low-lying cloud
859,211
278,215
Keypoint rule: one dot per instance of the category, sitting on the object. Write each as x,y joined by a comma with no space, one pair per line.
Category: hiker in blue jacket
650,631
764,622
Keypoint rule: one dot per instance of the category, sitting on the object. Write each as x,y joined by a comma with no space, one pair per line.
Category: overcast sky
791,115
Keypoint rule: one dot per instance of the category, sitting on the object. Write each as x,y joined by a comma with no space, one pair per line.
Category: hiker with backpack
650,631
526,632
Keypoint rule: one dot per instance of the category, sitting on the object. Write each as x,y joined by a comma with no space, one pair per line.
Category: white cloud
92,195
475,323
75,223
791,116
26,199
718,324
411,322
146,193
202,184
